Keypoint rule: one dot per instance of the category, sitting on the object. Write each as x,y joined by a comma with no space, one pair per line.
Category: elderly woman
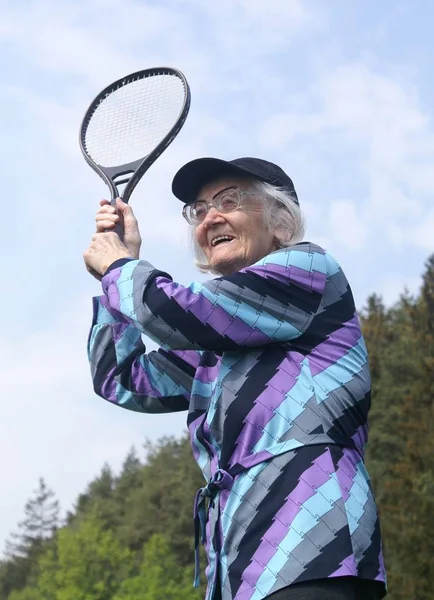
270,362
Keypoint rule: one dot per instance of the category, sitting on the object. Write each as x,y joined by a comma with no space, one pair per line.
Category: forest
129,536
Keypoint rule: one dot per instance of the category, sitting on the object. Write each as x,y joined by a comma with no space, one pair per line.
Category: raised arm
272,301
122,372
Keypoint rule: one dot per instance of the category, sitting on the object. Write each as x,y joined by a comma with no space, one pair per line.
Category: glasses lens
228,200
196,212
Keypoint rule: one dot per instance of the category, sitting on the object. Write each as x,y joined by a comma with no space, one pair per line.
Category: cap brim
195,174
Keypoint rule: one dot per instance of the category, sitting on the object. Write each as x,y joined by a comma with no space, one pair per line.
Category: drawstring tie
221,480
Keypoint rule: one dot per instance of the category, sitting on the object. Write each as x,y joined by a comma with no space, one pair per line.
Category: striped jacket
271,364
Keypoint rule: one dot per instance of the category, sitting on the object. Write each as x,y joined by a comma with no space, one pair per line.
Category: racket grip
119,229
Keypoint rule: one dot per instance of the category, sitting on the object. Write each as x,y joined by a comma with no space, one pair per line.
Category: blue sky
338,93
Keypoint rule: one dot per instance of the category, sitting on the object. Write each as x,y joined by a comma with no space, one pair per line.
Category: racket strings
131,121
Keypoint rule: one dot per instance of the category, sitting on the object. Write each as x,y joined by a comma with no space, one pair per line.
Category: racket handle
119,229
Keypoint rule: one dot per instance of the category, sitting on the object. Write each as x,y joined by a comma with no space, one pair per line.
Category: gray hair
282,216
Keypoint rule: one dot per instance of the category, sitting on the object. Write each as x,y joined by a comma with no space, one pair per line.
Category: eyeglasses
226,201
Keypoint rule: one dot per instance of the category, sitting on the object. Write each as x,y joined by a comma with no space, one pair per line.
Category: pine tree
40,522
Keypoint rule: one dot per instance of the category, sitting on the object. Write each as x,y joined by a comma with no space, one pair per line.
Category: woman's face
249,239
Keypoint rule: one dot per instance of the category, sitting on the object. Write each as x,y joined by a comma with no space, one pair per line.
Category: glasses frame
214,203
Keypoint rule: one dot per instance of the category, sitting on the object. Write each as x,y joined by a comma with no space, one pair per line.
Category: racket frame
133,171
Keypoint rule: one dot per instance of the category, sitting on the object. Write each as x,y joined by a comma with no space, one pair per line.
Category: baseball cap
195,174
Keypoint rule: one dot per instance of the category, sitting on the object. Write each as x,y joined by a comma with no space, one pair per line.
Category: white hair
282,217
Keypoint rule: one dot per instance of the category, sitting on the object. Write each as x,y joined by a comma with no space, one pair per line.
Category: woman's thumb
123,207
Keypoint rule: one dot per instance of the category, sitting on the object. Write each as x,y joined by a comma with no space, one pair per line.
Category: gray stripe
361,537
247,509
176,374
161,331
102,340
307,421
279,311
198,402
336,286
240,368
315,541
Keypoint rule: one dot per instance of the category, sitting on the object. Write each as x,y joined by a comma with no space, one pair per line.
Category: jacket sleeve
273,301
124,374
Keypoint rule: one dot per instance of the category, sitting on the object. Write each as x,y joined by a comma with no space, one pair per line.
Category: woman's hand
106,246
122,215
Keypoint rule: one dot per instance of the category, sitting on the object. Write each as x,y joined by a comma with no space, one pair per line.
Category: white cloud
52,424
346,226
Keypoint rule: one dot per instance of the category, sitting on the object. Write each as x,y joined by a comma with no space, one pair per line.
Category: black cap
195,174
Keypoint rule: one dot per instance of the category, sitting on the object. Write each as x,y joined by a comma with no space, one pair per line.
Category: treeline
129,537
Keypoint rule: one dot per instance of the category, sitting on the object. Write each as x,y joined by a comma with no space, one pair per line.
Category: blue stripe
125,285
95,330
161,381
332,265
294,258
103,315
341,372
203,458
241,486
125,397
226,367
203,389
126,343
266,323
319,504
359,493
292,406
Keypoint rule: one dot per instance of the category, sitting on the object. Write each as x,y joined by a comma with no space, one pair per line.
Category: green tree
160,576
40,522
26,546
85,563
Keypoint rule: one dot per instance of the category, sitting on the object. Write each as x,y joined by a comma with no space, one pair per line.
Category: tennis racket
130,123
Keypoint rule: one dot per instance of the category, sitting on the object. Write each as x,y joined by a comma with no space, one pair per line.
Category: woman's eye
199,211
227,202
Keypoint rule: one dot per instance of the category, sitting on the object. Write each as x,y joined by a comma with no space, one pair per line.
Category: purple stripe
118,330
111,289
309,482
382,570
141,380
346,471
348,567
108,388
212,315
361,437
191,357
335,347
264,408
192,427
309,280
206,374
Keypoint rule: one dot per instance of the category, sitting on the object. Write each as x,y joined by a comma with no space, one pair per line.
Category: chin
228,267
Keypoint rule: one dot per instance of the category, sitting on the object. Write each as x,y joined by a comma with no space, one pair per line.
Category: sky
339,94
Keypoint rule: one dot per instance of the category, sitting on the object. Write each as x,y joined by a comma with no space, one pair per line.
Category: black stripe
330,558
352,418
106,362
288,294
254,384
326,323
276,497
184,321
173,403
178,362
193,415
369,566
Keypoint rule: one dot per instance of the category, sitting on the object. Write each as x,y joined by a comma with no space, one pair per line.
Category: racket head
131,122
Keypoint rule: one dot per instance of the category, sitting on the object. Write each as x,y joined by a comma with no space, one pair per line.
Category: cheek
200,235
